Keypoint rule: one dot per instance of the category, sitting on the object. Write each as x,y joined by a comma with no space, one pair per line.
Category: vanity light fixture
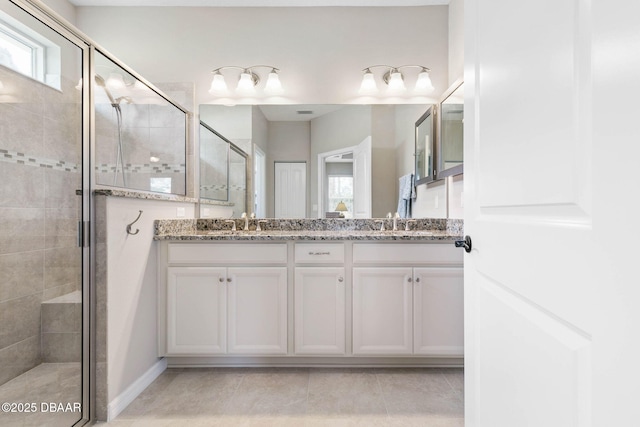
247,81
395,80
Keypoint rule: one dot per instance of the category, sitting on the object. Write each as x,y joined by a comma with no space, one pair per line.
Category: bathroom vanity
313,297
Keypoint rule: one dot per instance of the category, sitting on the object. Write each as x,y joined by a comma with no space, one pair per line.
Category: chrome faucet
233,227
381,221
395,221
406,225
261,221
246,221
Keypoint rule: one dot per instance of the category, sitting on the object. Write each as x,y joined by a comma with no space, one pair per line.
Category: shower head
125,99
100,82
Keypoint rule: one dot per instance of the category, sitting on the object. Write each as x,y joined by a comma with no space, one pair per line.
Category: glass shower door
41,204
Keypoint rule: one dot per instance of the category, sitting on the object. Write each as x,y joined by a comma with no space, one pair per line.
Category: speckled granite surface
132,194
308,229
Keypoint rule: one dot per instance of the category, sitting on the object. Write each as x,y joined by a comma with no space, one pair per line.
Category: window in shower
140,135
28,52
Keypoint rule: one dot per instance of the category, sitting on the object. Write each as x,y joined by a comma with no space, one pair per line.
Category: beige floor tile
195,395
420,393
272,393
344,393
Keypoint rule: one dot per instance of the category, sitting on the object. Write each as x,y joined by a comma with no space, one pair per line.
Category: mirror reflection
451,133
346,156
424,147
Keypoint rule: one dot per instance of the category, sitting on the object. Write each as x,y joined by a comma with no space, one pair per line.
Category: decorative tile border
143,168
15,157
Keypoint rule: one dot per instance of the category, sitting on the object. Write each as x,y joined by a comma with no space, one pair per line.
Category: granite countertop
307,230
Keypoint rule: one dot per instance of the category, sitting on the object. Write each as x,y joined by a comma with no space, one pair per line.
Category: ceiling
290,113
259,3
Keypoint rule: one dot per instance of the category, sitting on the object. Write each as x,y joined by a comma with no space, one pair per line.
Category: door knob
466,243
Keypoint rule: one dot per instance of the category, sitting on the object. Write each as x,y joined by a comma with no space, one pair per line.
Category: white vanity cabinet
409,301
310,302
196,310
382,310
319,303
223,299
257,310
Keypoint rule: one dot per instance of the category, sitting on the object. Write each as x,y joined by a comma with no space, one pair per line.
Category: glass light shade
115,81
218,85
245,84
273,85
368,84
396,83
423,84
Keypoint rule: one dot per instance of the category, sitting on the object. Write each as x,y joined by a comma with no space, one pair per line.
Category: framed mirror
450,135
424,147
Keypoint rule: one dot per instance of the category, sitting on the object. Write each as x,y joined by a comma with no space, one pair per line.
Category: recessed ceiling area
291,113
260,3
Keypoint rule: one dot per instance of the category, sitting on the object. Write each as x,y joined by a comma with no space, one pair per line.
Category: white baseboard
117,405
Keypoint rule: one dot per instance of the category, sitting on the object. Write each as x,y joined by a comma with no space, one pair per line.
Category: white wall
321,51
456,40
64,9
131,288
384,178
432,200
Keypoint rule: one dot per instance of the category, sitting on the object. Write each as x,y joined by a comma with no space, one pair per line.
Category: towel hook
129,225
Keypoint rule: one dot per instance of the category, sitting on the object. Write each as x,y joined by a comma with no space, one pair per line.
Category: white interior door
362,179
290,190
550,285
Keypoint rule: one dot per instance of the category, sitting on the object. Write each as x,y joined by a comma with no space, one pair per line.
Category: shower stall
72,119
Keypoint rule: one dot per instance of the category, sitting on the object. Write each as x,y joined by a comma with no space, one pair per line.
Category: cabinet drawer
228,253
319,253
407,253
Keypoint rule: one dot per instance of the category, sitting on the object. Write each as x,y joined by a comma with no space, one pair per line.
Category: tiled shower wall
147,131
40,159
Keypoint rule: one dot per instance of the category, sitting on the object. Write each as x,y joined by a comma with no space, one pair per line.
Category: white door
319,310
362,179
382,315
290,190
551,185
438,305
196,310
257,310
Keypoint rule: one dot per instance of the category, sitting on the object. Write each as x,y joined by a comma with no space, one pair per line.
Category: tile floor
45,384
299,397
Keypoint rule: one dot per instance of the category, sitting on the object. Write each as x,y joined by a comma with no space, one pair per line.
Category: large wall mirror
354,154
451,138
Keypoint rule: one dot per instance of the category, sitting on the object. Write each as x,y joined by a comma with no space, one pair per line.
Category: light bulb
423,84
273,86
396,82
368,83
245,84
218,85
115,81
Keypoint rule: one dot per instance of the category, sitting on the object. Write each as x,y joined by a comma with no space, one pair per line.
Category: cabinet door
196,310
258,310
319,310
382,311
438,306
